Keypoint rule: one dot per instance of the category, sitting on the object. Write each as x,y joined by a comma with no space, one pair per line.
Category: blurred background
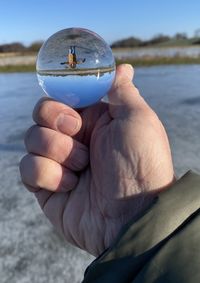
160,39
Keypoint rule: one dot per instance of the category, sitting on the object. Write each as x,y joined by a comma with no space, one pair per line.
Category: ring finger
40,172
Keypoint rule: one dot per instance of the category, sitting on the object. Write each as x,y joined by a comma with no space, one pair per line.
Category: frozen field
30,249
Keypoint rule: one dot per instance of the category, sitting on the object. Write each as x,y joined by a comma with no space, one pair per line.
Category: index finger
57,116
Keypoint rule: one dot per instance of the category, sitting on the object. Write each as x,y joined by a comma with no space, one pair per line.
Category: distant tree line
178,38
159,39
19,47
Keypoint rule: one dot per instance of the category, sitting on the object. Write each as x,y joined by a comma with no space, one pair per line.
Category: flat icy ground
31,251
30,248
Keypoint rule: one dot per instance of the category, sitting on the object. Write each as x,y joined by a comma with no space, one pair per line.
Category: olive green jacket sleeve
162,245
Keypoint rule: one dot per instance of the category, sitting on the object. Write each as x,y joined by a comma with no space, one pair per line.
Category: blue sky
30,20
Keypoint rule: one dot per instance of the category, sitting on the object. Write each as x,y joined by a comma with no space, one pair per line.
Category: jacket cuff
141,238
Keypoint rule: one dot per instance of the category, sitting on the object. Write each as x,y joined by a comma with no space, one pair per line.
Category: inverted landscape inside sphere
75,51
76,67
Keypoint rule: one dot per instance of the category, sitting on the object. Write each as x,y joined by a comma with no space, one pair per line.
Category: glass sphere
75,66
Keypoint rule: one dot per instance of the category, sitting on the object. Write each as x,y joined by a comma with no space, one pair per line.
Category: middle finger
57,146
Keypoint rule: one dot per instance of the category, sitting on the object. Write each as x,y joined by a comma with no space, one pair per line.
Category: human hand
99,168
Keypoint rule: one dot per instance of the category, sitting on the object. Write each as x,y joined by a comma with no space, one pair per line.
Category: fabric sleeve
163,245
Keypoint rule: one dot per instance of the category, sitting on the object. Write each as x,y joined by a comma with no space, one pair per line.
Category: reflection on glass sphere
75,66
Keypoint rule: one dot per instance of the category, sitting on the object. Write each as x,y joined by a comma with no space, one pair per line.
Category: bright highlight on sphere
75,66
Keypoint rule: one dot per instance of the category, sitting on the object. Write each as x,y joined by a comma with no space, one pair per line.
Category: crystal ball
75,66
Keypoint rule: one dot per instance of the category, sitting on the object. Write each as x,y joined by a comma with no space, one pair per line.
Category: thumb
124,97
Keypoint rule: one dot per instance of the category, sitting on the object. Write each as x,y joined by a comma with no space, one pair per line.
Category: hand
94,170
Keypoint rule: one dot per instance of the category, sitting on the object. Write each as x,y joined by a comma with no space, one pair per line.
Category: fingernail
129,71
129,66
67,124
124,71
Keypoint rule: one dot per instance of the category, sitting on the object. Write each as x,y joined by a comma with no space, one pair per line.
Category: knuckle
151,115
41,110
33,169
47,112
22,167
59,147
48,143
152,119
28,135
52,143
38,109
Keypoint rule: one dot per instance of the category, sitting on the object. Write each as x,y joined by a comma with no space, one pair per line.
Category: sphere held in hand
75,66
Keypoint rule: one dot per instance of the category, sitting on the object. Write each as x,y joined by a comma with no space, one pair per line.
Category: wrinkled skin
95,172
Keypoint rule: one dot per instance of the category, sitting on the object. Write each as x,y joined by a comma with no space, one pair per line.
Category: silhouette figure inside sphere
72,60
